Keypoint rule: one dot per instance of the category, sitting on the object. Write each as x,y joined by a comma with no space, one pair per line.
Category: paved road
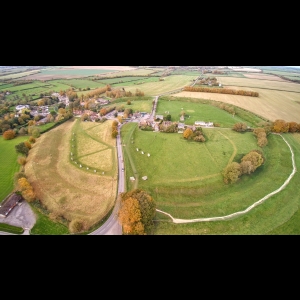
112,225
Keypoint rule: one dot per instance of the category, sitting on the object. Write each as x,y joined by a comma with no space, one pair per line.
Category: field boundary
239,213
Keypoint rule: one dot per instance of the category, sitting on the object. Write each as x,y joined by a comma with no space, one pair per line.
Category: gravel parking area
20,216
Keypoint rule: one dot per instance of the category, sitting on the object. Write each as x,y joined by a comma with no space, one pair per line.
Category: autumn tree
114,129
26,189
32,140
119,119
261,136
19,175
199,138
246,167
138,213
76,226
262,140
255,158
9,134
22,160
27,144
103,111
293,127
187,134
41,102
130,217
240,127
231,173
280,126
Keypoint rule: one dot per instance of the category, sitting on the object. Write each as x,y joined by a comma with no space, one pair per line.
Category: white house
20,107
204,124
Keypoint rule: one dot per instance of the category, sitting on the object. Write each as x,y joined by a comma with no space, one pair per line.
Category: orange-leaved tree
130,217
137,215
188,133
26,189
9,134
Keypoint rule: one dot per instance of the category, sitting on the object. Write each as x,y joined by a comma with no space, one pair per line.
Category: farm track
233,145
239,213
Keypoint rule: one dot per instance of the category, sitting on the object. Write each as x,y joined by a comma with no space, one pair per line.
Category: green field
18,75
130,73
134,81
196,112
136,105
76,72
9,164
172,82
81,83
188,183
184,177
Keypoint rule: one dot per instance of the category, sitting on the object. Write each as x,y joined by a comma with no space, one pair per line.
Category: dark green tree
21,148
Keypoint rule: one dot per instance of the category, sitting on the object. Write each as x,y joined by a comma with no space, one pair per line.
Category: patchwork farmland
184,177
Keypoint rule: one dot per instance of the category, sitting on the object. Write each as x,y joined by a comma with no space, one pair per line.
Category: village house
20,107
181,127
160,117
204,124
102,101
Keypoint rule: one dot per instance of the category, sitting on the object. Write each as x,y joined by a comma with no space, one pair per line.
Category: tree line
220,91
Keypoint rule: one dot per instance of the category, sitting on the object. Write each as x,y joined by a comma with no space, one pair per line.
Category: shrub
9,134
76,226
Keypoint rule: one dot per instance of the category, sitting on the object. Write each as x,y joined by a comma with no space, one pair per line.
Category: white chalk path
236,214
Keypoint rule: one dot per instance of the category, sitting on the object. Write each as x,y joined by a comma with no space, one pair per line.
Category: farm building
204,124
161,117
9,203
181,127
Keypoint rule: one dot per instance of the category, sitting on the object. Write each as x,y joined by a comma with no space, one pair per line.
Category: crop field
28,86
283,73
130,73
293,77
184,72
18,75
271,104
170,83
65,73
81,83
120,82
9,164
35,89
73,167
262,76
262,84
65,188
5,86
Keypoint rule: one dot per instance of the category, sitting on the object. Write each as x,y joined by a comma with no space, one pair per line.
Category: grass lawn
188,183
196,112
9,164
136,105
